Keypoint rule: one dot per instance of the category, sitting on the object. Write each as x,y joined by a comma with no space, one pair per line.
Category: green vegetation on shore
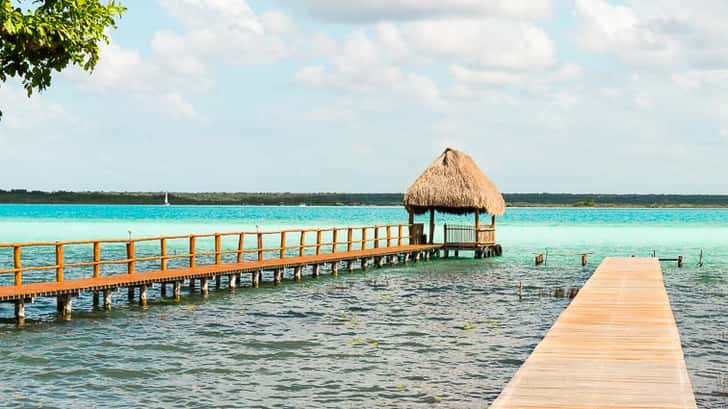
352,199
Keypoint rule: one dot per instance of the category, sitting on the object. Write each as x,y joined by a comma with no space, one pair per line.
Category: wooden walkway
104,266
615,346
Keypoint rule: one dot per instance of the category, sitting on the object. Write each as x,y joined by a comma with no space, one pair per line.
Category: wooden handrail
395,234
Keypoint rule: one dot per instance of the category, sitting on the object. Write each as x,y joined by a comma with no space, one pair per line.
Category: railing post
17,255
335,236
193,250
241,244
163,254
318,242
218,249
130,257
363,238
260,246
389,236
283,244
97,259
349,239
444,240
376,237
400,233
59,262
302,244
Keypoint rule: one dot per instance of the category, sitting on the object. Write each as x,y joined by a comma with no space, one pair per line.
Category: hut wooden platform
616,346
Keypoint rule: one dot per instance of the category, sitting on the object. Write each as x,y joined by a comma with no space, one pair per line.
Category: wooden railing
329,240
461,234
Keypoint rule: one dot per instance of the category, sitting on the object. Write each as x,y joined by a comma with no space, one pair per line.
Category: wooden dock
615,346
104,266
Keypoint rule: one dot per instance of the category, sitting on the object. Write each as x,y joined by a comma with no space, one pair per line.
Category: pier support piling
298,273
278,276
255,278
177,290
335,268
64,305
379,261
364,264
204,286
350,266
316,270
232,281
218,281
143,295
20,312
107,299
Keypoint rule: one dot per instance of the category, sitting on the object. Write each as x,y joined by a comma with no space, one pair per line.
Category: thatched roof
454,183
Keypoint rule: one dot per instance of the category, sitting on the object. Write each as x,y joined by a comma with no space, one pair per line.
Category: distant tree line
350,199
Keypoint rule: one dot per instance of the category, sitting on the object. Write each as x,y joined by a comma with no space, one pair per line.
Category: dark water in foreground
438,334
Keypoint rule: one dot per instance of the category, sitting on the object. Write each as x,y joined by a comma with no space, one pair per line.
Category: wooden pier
615,346
139,263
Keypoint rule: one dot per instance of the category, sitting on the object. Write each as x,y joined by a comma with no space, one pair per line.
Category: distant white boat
302,205
166,199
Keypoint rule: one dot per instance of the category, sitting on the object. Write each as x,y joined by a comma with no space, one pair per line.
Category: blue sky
334,95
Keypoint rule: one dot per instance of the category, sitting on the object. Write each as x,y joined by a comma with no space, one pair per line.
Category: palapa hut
454,183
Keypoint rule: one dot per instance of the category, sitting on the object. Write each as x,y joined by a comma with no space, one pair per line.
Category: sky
574,96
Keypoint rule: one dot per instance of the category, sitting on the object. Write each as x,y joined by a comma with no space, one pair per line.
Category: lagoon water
438,334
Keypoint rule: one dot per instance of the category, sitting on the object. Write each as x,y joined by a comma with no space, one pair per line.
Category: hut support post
492,226
432,226
409,229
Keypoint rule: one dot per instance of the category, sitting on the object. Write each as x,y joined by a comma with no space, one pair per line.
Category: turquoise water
384,338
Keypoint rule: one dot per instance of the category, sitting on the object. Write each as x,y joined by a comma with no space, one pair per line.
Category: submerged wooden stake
520,291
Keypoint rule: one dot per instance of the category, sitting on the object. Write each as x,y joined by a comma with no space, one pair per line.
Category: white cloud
670,34
462,74
392,10
179,106
390,57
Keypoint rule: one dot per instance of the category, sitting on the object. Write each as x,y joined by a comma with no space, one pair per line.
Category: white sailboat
166,199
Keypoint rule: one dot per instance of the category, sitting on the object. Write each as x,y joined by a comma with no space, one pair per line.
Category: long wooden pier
138,263
615,346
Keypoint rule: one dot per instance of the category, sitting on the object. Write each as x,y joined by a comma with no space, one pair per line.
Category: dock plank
616,346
